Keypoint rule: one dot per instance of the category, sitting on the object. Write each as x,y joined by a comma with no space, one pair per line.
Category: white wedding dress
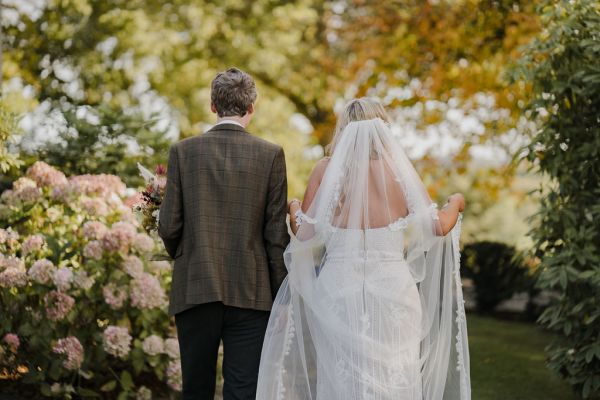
372,307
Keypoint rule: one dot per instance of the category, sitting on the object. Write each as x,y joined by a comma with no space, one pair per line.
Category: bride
372,307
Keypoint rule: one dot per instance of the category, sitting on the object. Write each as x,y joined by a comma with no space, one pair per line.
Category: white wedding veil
372,306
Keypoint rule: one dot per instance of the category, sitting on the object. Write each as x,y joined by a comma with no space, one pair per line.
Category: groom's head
232,94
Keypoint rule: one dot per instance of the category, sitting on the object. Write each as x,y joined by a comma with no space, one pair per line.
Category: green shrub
497,273
562,68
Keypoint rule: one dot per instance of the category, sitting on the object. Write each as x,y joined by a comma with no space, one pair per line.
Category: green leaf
54,371
126,380
86,374
45,389
137,360
589,355
567,327
26,329
87,393
587,274
160,257
587,386
109,386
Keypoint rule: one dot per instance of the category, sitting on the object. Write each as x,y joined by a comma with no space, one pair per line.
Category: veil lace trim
460,312
399,224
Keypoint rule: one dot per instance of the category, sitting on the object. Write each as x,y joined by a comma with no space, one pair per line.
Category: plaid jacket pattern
223,219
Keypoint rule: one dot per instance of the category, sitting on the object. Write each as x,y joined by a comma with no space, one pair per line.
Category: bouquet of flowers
151,197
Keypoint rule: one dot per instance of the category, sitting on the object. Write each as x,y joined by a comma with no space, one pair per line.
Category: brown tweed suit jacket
223,219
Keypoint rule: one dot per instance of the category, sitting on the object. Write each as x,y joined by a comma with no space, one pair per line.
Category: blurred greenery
308,57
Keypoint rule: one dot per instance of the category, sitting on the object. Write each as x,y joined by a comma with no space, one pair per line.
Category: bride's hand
459,200
293,206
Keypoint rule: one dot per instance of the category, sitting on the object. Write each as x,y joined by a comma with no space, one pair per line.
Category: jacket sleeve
275,228
170,220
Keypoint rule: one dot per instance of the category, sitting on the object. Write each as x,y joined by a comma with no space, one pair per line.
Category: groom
223,220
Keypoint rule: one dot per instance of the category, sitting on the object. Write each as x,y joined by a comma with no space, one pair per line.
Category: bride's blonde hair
359,109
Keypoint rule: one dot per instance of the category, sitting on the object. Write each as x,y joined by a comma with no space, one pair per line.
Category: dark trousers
200,331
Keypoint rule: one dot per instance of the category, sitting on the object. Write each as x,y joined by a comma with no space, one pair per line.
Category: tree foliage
101,139
562,67
123,56
8,127
308,56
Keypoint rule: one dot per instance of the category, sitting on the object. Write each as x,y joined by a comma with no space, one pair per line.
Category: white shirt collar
229,121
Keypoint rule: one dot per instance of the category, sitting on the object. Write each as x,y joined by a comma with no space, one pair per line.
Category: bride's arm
449,214
314,182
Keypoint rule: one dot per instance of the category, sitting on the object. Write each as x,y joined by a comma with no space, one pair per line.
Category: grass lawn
507,362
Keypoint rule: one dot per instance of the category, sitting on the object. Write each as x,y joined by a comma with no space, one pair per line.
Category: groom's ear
213,108
250,108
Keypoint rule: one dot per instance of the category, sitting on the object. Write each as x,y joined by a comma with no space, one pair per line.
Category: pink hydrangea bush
83,307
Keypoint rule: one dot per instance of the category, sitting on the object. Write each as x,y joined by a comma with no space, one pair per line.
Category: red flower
160,169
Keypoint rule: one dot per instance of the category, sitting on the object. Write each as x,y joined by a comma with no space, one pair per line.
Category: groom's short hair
232,92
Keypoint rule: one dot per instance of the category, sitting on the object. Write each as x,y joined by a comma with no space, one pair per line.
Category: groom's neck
240,120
